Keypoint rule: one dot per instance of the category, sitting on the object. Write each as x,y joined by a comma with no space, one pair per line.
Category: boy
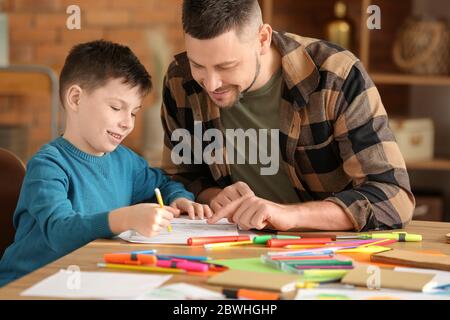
84,185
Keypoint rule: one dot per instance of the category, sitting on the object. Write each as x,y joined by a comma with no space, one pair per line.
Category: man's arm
207,195
253,212
380,197
196,177
321,215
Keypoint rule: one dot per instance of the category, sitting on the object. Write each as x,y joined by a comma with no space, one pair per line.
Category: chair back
12,172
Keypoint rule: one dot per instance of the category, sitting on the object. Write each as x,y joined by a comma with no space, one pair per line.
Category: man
341,168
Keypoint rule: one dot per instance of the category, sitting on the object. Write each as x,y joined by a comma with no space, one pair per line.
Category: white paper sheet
441,278
95,285
182,229
353,294
181,291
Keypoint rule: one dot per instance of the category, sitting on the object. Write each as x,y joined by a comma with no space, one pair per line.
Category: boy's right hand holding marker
146,218
149,219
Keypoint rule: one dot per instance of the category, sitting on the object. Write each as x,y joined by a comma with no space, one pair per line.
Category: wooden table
88,256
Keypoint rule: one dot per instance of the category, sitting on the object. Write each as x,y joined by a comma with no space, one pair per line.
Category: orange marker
199,241
130,258
250,294
284,242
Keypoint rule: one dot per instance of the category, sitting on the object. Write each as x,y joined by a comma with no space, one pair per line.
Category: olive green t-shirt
259,110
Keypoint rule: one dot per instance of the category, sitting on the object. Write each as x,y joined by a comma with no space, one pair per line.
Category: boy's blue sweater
66,197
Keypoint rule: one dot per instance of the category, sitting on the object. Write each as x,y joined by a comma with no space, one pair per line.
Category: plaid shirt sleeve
175,115
381,197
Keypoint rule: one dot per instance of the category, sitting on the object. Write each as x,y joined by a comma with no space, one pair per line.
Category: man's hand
253,212
229,194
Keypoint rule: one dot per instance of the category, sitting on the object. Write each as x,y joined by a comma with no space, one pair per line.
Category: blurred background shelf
406,96
435,164
13,83
409,79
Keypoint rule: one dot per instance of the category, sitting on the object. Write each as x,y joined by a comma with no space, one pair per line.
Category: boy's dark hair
92,64
207,19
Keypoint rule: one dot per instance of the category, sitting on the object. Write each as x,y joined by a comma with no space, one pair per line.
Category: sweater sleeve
147,179
45,189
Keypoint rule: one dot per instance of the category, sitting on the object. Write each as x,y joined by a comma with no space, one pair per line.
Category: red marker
284,242
199,241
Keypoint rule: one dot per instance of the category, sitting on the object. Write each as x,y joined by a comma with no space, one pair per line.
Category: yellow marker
161,204
139,268
364,249
226,244
306,285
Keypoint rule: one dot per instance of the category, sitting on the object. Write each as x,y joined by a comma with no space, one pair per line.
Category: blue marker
176,256
144,252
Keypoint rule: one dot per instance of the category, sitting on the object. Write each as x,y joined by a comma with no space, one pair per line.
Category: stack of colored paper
298,263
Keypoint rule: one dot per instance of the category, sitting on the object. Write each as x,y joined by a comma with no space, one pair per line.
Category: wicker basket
422,46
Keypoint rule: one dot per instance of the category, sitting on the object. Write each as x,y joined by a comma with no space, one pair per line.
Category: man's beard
240,94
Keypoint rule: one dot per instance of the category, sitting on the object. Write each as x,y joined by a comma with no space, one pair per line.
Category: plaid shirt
335,141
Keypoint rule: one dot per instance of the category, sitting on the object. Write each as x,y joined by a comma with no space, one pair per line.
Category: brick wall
38,35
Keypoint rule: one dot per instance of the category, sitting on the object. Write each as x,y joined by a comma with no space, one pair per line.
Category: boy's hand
193,209
148,219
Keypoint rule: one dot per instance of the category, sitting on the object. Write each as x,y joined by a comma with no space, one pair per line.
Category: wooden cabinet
373,47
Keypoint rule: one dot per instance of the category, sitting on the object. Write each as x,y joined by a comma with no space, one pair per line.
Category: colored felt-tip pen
307,252
177,256
284,242
183,264
139,268
399,236
226,244
161,205
250,294
265,238
130,258
153,251
199,241
315,267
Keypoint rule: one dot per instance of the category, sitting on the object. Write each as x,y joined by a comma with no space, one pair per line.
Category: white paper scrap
95,285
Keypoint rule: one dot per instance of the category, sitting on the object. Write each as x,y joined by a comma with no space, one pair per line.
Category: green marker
331,262
399,236
265,238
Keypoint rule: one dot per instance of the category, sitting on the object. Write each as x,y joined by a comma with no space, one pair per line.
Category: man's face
224,66
106,116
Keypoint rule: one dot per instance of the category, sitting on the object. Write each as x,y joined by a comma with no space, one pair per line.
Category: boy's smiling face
99,120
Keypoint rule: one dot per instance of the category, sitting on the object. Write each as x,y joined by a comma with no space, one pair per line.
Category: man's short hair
207,19
92,64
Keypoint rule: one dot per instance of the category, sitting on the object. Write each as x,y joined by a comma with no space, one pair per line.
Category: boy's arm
45,190
147,179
